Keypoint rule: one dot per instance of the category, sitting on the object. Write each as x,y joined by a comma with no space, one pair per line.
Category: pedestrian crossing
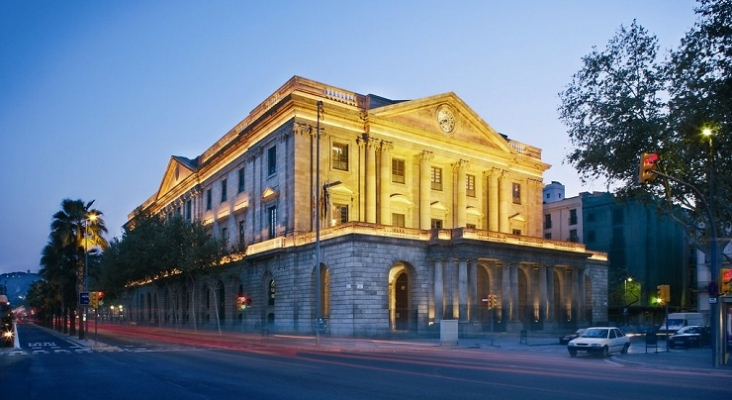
52,349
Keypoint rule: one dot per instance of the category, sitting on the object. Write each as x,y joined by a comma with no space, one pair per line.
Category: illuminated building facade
424,211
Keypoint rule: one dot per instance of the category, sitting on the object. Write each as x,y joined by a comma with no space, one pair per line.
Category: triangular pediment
179,168
441,116
517,217
269,194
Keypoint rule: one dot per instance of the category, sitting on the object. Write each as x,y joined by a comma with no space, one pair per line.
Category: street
149,366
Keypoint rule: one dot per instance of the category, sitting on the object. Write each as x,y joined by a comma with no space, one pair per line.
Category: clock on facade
445,119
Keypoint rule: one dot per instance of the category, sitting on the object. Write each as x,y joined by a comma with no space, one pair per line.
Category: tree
625,101
172,253
58,269
78,227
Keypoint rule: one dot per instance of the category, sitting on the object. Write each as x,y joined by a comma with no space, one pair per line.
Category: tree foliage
154,249
626,100
76,231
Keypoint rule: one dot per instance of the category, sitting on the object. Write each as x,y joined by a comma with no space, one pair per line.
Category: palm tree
58,270
79,227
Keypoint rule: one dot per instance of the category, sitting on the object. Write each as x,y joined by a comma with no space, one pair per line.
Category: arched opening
402,315
525,306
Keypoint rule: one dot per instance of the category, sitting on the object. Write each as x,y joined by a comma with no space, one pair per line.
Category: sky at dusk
95,96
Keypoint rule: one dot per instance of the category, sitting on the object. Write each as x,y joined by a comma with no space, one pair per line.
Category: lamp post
715,320
625,298
89,218
317,223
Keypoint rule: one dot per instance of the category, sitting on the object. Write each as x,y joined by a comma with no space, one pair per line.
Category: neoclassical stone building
419,210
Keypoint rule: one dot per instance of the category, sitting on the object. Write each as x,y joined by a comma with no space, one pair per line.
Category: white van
676,321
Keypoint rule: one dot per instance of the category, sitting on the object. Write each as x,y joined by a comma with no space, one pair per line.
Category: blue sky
95,96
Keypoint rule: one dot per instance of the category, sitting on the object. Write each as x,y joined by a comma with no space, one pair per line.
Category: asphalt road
148,367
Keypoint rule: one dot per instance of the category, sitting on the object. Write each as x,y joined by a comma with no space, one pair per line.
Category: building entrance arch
401,311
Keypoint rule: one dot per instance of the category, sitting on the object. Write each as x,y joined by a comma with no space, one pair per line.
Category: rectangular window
241,234
272,160
573,216
517,232
470,226
436,178
398,220
272,218
225,235
547,221
591,217
548,236
436,224
516,193
590,237
188,210
241,180
470,185
397,170
573,236
208,199
223,190
340,156
340,214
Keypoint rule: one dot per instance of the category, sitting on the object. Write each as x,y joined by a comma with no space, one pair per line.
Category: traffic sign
84,298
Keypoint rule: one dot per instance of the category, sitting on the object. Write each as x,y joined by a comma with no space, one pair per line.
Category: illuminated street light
89,218
716,318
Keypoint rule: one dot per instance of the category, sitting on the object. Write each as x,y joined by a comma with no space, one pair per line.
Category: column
474,299
385,184
463,290
543,303
425,216
439,287
493,200
575,294
582,298
551,316
371,144
460,187
504,202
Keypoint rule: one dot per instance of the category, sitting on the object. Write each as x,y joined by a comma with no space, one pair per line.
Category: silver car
601,341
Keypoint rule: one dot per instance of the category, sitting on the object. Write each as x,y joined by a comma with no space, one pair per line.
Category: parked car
689,336
600,340
566,338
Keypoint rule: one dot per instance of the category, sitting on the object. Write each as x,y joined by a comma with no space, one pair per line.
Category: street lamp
714,310
89,219
625,298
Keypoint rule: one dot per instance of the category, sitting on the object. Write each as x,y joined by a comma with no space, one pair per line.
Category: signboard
712,300
84,298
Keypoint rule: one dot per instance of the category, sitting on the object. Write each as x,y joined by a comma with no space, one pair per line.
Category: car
689,336
601,340
566,338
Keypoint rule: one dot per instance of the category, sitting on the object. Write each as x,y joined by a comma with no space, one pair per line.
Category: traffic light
94,299
243,302
647,165
663,293
725,280
492,301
